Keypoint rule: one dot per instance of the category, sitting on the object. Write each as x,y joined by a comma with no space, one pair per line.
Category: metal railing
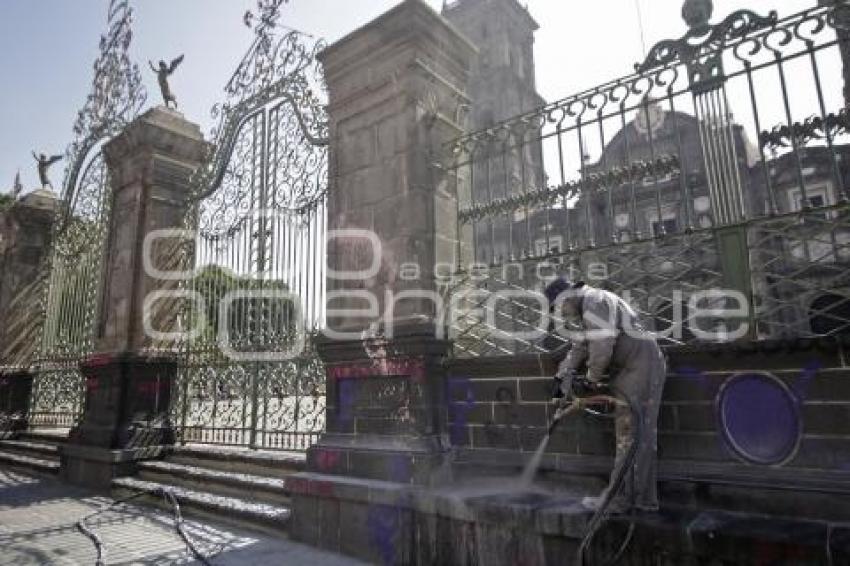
721,163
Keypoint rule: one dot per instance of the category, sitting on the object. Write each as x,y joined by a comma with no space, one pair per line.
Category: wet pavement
38,525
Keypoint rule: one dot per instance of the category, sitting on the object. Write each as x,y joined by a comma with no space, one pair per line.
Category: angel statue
162,75
44,164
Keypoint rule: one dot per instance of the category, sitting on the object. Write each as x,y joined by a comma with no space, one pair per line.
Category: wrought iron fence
249,375
722,162
55,317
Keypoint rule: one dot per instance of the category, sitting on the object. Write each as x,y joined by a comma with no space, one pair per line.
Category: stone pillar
397,94
25,236
127,383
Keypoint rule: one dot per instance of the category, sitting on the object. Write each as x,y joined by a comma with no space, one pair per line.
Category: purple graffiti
760,418
399,468
803,383
345,402
383,525
461,400
695,375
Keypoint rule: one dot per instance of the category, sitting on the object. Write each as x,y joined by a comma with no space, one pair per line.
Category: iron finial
697,13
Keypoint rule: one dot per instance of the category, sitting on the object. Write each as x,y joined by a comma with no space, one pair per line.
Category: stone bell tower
503,83
502,86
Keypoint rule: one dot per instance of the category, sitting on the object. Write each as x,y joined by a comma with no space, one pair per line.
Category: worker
616,352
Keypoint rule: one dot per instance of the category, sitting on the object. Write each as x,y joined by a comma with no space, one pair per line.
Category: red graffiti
409,367
327,460
310,487
99,360
151,387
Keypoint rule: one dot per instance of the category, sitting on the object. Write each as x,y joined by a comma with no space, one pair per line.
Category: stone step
44,436
229,484
266,463
29,448
22,462
239,512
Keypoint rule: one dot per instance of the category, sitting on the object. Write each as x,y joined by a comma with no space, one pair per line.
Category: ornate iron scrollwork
116,98
275,68
69,284
702,47
814,128
259,220
614,177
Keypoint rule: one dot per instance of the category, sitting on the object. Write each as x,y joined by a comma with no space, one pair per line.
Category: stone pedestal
386,408
126,418
129,380
15,389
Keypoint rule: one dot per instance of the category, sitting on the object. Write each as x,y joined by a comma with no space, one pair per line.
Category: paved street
38,526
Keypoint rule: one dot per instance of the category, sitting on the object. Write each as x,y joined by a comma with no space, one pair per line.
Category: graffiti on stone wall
461,401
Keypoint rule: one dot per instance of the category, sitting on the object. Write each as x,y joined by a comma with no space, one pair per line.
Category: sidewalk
38,526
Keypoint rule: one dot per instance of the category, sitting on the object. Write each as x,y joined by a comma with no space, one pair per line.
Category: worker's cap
560,285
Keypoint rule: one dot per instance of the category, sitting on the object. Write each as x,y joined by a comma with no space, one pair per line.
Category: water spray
603,397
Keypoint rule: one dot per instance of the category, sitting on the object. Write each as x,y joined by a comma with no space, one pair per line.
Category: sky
48,47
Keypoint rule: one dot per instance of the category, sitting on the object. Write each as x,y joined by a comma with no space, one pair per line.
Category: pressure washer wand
581,404
560,414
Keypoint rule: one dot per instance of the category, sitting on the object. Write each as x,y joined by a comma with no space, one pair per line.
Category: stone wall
716,508
498,411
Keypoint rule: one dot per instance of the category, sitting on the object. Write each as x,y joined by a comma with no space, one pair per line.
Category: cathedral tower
503,83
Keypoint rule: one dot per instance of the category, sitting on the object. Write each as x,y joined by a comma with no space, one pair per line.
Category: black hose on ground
178,524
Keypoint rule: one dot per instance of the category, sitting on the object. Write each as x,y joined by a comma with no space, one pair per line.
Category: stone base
126,418
386,406
15,389
413,460
95,468
493,523
127,402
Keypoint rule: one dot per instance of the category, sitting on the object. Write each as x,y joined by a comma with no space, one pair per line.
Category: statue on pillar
44,164
162,73
17,187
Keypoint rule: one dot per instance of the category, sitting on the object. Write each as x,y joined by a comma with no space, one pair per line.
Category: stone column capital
158,135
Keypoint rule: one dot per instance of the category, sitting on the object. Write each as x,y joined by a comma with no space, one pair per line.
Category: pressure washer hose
169,497
602,512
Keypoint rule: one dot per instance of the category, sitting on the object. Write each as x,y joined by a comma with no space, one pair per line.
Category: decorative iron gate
71,282
71,303
249,375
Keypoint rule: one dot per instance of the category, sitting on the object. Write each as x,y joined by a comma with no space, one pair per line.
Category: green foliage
6,201
254,320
